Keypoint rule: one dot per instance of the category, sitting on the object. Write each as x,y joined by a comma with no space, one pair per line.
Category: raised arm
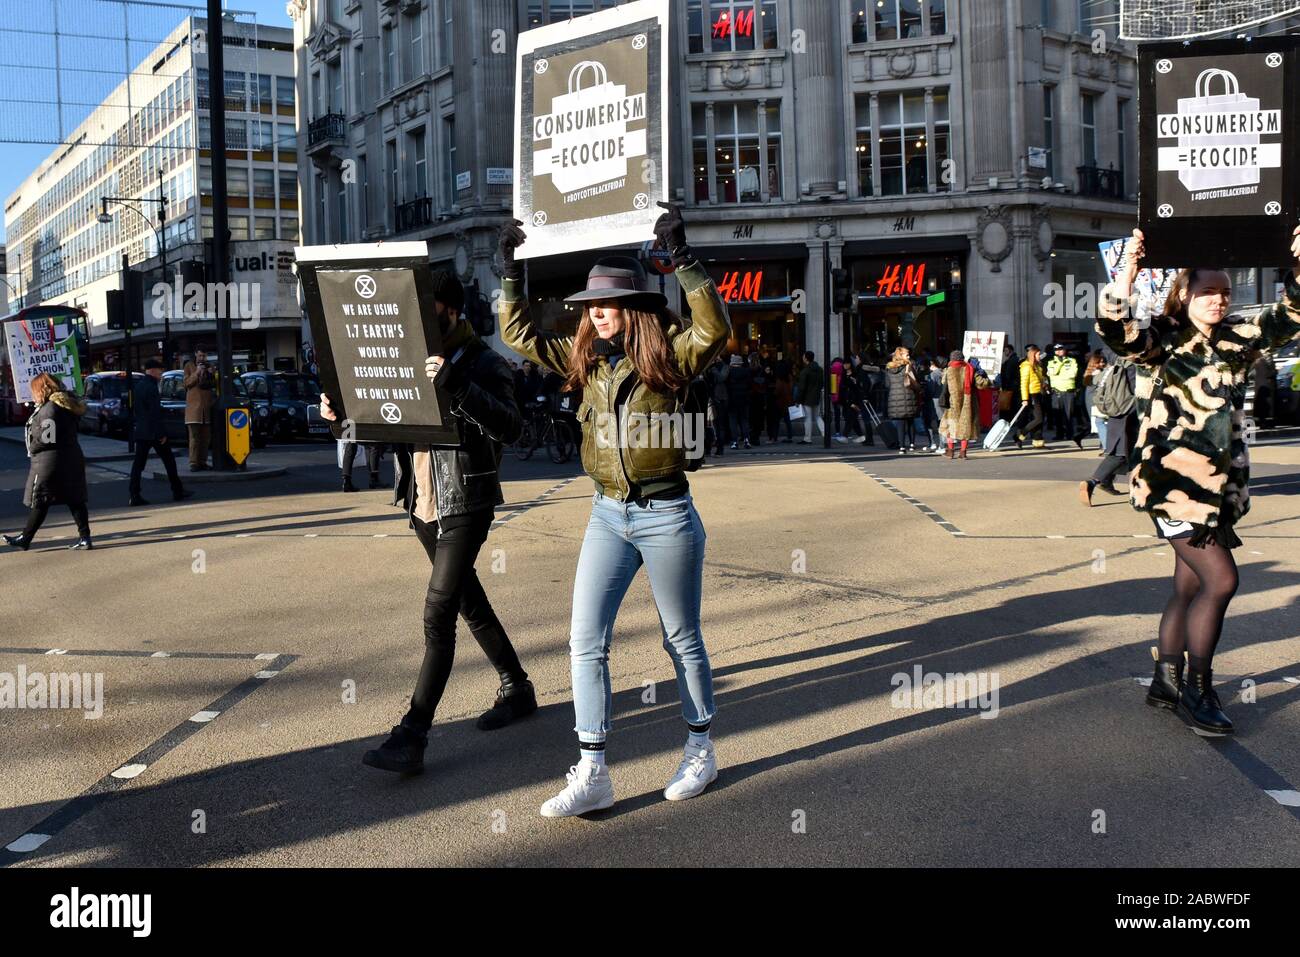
1116,305
703,341
517,330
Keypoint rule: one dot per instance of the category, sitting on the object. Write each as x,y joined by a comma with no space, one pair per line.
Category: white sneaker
839,438
699,769
589,789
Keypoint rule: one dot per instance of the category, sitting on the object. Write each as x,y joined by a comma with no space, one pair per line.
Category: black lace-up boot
1199,706
1166,684
515,699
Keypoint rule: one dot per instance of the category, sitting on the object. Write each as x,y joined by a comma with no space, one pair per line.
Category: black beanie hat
448,290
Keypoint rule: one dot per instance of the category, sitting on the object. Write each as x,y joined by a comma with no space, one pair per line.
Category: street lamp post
160,232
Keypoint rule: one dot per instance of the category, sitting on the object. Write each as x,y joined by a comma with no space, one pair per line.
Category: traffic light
125,307
843,298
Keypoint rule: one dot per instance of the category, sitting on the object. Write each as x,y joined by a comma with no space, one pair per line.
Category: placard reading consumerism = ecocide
1217,125
377,342
590,129
1219,128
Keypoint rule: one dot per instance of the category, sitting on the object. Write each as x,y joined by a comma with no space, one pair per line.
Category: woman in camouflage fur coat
1190,466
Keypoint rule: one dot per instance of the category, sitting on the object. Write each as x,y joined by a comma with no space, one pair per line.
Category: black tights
454,589
1205,579
36,518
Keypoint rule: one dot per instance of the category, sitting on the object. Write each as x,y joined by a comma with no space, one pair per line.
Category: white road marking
266,656
27,843
57,651
1285,798
129,771
244,535
381,535
311,535
203,717
1144,682
161,654
1291,681
266,674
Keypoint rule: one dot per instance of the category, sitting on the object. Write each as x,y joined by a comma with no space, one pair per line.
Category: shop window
938,17
737,152
700,152
862,148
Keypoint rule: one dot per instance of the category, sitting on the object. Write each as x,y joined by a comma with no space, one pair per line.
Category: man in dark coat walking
149,433
58,470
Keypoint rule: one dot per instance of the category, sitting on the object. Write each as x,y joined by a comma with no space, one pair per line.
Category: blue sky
24,118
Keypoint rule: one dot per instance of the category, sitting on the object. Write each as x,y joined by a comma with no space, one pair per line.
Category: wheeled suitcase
1001,429
886,429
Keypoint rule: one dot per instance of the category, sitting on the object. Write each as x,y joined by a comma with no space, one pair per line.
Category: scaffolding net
1180,19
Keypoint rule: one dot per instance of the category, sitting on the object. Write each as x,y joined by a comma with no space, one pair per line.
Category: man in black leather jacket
450,496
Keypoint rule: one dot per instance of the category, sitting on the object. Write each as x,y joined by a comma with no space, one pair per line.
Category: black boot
1198,704
17,541
347,484
514,700
374,481
403,752
1166,684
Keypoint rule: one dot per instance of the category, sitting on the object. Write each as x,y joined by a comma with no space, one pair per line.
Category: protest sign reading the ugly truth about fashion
591,134
374,323
37,345
1217,133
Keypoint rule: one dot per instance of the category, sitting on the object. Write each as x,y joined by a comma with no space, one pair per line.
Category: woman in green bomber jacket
632,358
1190,468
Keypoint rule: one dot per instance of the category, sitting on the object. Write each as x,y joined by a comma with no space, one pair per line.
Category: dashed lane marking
138,764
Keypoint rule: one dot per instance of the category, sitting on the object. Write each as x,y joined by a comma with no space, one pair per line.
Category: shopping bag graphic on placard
587,127
1232,100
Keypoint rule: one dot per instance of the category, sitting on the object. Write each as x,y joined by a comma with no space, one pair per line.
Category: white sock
698,739
594,757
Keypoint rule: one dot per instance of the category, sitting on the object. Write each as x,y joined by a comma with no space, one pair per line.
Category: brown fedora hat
619,277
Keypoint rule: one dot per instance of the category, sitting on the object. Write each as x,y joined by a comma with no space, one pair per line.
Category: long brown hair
647,346
45,385
1175,308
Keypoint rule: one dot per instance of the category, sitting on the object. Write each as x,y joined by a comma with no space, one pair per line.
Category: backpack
1113,395
695,401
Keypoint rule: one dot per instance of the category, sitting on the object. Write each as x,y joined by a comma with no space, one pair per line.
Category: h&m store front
762,288
917,283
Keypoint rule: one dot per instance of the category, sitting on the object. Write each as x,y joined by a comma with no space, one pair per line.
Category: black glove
670,230
512,236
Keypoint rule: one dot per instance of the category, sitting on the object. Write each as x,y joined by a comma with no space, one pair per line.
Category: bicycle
543,427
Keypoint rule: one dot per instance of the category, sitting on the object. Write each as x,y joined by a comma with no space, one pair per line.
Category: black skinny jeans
454,589
36,518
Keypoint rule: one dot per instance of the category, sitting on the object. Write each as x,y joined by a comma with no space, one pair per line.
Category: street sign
237,432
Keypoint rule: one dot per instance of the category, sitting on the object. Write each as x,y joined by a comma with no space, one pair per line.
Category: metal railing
324,129
413,214
1106,183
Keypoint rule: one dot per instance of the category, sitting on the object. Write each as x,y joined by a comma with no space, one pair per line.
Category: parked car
172,392
292,401
106,412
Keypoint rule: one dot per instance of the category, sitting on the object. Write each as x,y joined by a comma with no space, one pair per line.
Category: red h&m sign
741,287
743,25
899,281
